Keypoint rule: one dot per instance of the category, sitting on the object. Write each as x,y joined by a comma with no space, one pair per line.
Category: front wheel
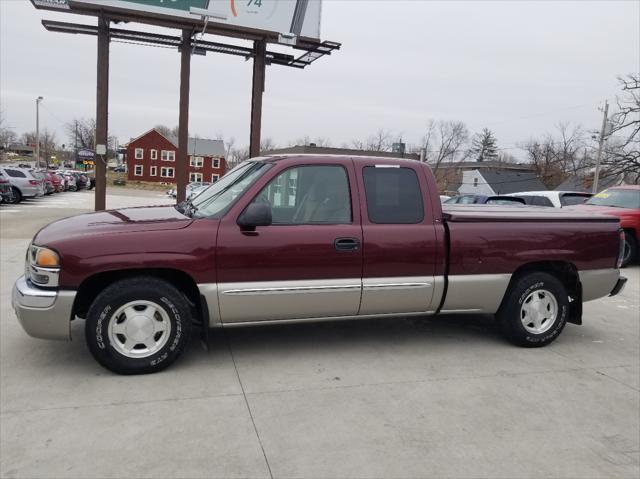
534,311
630,249
138,326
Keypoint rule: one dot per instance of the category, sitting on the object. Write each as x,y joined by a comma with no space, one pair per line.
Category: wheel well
92,286
567,273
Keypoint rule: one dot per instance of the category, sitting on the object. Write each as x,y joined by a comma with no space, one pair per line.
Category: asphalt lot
418,398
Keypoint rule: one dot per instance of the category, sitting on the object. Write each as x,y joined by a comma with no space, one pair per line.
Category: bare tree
165,131
7,136
445,141
622,154
82,132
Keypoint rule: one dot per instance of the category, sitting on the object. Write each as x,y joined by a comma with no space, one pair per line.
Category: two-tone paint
456,260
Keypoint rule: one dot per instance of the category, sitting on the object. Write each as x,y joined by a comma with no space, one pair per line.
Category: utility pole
102,113
38,100
259,62
596,175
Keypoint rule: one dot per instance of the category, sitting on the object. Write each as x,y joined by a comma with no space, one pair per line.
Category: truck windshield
618,198
218,197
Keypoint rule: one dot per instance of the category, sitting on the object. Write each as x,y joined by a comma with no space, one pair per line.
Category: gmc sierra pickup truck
308,238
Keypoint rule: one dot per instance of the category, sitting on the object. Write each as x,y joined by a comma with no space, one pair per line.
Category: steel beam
259,63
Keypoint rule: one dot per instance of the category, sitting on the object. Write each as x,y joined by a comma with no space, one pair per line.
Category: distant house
499,182
584,183
152,157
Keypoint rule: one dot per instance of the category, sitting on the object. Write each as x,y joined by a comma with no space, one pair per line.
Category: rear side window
15,173
572,199
538,201
393,195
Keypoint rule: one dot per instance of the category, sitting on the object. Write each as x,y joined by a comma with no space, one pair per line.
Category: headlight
43,266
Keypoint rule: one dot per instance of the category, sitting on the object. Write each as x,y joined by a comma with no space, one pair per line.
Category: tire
631,249
159,331
17,196
533,326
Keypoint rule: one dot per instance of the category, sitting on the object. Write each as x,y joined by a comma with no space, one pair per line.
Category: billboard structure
300,18
290,22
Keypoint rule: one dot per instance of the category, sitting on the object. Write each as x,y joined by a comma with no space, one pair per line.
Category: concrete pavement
417,398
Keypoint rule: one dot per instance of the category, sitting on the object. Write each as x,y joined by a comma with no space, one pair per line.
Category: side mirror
256,214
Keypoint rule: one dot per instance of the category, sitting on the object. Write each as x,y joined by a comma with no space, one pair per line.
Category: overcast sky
513,66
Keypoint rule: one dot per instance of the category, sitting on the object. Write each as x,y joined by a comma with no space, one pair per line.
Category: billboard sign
86,154
297,17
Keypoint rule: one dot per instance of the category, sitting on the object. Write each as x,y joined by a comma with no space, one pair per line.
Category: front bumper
620,284
43,313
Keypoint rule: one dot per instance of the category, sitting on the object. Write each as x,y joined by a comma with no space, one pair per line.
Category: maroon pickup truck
307,238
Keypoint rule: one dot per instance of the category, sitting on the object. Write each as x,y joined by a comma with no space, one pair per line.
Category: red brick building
152,157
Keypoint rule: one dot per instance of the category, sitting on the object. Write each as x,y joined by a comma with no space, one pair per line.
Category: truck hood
126,220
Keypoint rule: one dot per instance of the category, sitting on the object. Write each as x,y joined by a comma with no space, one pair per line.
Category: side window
541,201
393,195
15,173
309,195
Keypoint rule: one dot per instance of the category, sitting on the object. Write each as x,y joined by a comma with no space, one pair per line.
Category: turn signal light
46,257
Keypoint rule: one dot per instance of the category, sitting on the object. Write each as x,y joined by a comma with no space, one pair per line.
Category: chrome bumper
43,313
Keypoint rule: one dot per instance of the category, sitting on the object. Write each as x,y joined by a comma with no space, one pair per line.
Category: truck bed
494,213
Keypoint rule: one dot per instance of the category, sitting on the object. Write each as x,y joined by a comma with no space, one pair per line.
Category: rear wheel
138,326
534,311
630,249
16,197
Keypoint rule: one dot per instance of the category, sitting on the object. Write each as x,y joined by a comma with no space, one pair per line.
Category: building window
215,163
215,177
154,154
197,161
139,153
195,177
154,171
139,170
475,182
166,172
168,155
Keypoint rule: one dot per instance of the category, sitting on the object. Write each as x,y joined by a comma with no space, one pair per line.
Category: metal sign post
183,118
102,110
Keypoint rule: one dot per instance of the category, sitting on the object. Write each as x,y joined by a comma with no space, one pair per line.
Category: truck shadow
353,333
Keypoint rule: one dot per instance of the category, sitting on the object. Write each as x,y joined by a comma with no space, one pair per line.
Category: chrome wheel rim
539,311
139,329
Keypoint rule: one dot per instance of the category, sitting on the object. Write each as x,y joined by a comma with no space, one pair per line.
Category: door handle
347,244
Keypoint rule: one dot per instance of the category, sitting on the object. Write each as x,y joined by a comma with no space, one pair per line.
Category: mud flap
575,306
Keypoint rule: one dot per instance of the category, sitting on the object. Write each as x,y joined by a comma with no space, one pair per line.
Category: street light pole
38,100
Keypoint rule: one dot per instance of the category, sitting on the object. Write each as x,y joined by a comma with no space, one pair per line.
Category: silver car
23,183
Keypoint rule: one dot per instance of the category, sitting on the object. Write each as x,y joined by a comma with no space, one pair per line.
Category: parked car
6,193
57,181
622,202
47,186
346,237
483,200
189,189
120,169
444,198
557,199
70,182
23,183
